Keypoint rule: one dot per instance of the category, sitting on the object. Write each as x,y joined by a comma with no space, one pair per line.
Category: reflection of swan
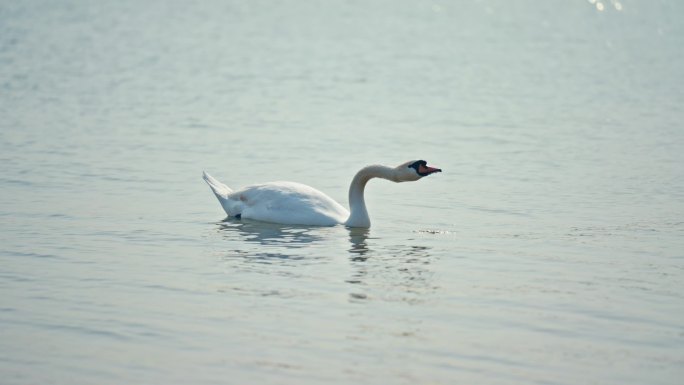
394,273
267,243
359,247
268,233
295,203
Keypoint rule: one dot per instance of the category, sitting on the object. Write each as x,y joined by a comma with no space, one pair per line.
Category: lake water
549,251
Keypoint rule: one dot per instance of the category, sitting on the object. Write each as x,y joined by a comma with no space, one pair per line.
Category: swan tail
220,190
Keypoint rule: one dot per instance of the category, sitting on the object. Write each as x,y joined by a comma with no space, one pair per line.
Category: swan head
414,170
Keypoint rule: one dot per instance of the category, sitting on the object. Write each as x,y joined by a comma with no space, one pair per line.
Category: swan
298,204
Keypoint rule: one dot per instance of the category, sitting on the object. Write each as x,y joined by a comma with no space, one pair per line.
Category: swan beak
427,170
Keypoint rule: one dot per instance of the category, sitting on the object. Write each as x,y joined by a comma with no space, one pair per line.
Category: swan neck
358,216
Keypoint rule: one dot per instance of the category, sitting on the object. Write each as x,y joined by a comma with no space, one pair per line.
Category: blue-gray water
550,251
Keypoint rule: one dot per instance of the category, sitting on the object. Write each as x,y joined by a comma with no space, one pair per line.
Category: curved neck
358,216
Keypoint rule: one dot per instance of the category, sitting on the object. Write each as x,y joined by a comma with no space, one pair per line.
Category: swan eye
416,165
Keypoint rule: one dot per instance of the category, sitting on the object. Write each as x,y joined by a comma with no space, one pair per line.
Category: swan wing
288,203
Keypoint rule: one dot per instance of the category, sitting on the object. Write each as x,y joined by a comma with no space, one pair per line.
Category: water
549,251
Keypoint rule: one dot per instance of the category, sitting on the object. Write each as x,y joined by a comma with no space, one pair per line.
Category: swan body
298,204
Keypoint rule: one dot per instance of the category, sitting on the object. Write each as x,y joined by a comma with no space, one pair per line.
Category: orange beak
427,170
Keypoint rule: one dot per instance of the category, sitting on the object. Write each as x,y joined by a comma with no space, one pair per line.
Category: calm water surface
550,251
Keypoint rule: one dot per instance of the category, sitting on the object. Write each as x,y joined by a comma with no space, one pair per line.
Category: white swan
297,204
